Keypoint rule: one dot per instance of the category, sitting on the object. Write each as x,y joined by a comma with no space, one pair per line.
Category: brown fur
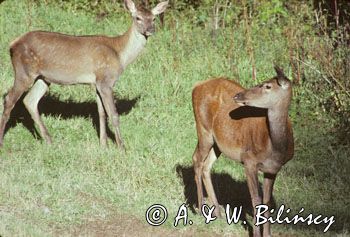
40,58
260,138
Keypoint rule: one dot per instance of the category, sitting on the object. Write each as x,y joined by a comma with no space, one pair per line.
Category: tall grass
50,190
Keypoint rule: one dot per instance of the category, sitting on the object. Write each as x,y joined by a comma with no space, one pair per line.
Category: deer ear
279,71
160,8
282,80
130,5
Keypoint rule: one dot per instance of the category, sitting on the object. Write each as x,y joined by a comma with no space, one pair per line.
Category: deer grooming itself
40,58
247,125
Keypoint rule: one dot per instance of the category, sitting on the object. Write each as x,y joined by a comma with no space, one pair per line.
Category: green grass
45,190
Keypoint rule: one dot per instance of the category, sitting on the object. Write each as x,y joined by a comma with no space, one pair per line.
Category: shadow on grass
227,190
52,106
236,193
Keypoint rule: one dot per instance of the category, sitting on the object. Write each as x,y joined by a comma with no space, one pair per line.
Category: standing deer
258,134
40,58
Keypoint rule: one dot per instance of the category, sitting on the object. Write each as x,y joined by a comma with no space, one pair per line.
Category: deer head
268,94
143,18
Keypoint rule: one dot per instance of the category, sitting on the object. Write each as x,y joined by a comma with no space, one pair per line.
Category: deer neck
132,44
278,128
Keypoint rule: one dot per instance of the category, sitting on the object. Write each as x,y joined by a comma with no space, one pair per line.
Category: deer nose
152,29
238,96
149,31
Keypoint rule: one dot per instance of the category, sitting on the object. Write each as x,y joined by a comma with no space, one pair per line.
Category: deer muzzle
150,31
239,99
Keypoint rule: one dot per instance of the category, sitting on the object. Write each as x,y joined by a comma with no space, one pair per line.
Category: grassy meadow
76,188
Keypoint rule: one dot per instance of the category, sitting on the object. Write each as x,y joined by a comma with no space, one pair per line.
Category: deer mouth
149,31
242,103
239,99
147,34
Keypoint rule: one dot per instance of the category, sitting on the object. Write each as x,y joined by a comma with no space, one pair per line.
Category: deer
250,126
40,58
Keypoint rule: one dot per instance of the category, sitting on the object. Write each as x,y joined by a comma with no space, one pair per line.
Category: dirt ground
125,226
130,226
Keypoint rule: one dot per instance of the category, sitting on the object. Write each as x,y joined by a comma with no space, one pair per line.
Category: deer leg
106,94
200,153
269,180
198,168
24,77
208,163
31,101
251,172
9,102
102,121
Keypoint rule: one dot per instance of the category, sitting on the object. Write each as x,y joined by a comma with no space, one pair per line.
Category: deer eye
153,19
138,18
268,87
